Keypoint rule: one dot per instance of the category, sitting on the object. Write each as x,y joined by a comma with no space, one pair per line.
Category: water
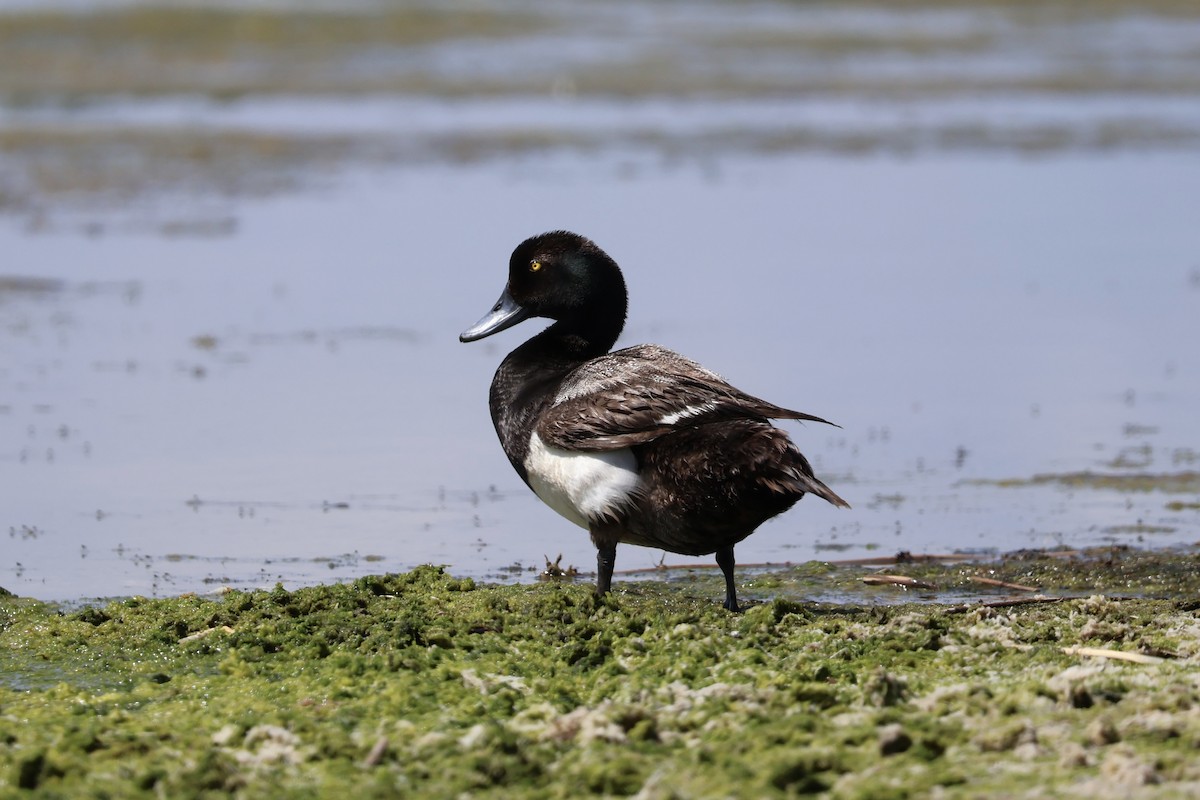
286,399
291,403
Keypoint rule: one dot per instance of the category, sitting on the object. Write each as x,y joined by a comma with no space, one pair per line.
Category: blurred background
238,241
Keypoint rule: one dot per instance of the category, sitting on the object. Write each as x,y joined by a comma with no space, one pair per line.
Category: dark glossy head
564,277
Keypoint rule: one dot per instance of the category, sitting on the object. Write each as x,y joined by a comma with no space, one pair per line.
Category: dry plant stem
1003,584
1118,655
897,580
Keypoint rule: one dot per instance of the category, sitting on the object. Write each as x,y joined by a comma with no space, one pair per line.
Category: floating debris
897,580
554,569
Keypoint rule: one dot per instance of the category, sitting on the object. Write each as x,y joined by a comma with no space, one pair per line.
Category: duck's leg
606,559
606,556
725,562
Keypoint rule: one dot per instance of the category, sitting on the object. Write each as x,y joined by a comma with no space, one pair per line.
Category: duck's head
564,277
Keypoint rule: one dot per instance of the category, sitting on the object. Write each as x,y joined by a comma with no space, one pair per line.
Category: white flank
690,411
583,487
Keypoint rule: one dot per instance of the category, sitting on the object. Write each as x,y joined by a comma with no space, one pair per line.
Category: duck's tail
779,412
793,474
813,485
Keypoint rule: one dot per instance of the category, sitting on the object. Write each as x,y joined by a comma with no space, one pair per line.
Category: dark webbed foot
725,562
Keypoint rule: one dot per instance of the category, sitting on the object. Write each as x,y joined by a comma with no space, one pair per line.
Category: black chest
519,395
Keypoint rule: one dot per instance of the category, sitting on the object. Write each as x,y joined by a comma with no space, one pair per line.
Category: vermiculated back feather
636,395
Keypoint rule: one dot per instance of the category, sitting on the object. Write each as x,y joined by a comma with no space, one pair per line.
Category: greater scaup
641,445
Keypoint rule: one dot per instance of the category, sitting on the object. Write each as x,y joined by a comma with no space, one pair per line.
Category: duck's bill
504,314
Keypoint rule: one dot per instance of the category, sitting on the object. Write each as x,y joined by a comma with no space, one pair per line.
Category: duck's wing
638,394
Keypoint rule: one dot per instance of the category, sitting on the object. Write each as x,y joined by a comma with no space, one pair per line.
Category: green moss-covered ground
427,685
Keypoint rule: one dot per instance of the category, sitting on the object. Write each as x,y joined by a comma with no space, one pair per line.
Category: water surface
204,385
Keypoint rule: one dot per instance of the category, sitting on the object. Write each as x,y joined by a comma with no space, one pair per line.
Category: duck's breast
583,487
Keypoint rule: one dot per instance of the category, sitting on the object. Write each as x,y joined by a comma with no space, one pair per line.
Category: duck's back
711,466
641,393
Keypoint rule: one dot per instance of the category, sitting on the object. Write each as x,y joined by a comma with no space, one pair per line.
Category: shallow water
285,399
291,402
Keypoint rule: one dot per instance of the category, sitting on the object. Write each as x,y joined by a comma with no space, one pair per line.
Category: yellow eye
535,265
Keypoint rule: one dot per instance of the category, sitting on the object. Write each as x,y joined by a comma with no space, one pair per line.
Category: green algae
127,56
228,52
1187,482
424,684
231,52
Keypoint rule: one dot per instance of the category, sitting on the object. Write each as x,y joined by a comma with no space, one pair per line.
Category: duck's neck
578,339
541,363
529,377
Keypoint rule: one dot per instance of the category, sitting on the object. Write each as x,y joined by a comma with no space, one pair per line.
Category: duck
638,446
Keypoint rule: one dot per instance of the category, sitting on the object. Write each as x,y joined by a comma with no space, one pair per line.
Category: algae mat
427,685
